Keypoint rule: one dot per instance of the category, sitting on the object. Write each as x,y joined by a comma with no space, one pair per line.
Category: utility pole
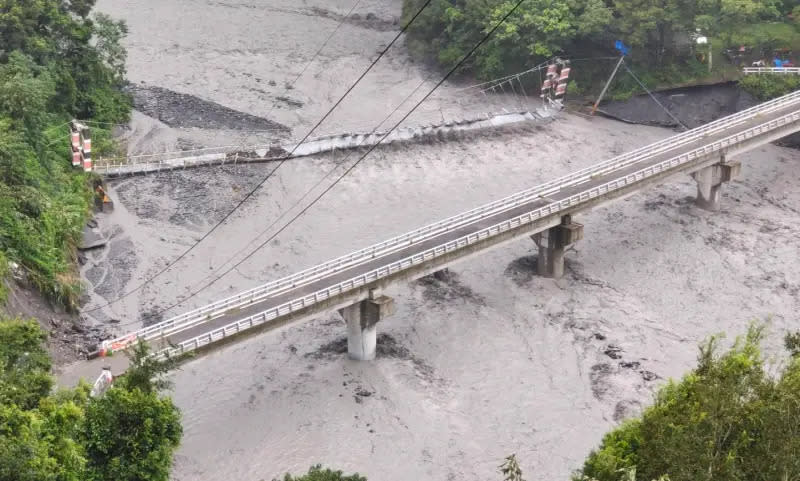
608,83
710,60
623,50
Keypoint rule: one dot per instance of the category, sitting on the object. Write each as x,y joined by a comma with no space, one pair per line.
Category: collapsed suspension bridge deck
350,282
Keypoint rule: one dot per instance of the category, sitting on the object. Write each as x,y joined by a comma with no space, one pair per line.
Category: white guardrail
219,308
775,70
418,258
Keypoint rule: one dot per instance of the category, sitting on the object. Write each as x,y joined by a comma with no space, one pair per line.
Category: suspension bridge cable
240,145
653,96
282,161
290,85
360,159
322,179
287,211
314,187
319,182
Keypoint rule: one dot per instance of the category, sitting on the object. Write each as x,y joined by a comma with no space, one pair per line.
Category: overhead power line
280,163
676,119
291,84
357,162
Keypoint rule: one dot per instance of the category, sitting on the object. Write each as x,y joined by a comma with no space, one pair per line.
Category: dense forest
57,62
661,35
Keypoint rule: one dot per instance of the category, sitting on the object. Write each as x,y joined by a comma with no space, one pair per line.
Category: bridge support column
709,181
552,244
362,318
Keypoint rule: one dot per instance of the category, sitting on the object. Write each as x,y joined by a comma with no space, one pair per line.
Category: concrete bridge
353,284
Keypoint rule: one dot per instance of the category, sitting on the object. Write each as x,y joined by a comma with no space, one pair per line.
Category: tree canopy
130,433
729,419
660,31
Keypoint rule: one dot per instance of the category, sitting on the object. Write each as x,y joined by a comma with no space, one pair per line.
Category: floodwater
487,361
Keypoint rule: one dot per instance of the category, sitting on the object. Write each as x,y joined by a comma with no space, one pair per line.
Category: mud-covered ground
692,106
69,336
480,361
493,359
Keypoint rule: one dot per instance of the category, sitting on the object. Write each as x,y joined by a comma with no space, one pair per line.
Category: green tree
726,420
767,87
724,17
25,90
128,434
131,436
654,26
56,63
316,473
145,372
23,448
24,364
448,29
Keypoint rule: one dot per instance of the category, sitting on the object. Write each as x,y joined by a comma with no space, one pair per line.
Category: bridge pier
709,181
362,319
552,244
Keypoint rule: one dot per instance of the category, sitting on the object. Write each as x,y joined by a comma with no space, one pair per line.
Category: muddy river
482,362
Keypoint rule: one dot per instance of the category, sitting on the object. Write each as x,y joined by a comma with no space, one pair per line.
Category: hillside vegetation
731,418
128,434
770,86
57,62
660,33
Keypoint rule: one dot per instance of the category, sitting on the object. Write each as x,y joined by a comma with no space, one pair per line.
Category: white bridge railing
775,70
557,207
220,308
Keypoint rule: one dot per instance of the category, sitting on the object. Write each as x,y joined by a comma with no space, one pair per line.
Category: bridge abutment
362,319
552,244
709,182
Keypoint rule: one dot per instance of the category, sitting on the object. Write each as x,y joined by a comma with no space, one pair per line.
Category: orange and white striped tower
75,143
81,141
87,149
563,78
554,86
549,81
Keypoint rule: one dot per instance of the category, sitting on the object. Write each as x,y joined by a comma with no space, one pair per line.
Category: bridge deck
92,368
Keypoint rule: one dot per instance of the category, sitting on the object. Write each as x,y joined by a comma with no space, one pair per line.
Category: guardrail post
552,244
709,181
362,318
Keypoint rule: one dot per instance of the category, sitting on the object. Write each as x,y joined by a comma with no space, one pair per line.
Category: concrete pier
709,181
362,319
552,244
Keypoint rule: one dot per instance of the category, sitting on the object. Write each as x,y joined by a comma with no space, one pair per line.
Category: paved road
91,369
